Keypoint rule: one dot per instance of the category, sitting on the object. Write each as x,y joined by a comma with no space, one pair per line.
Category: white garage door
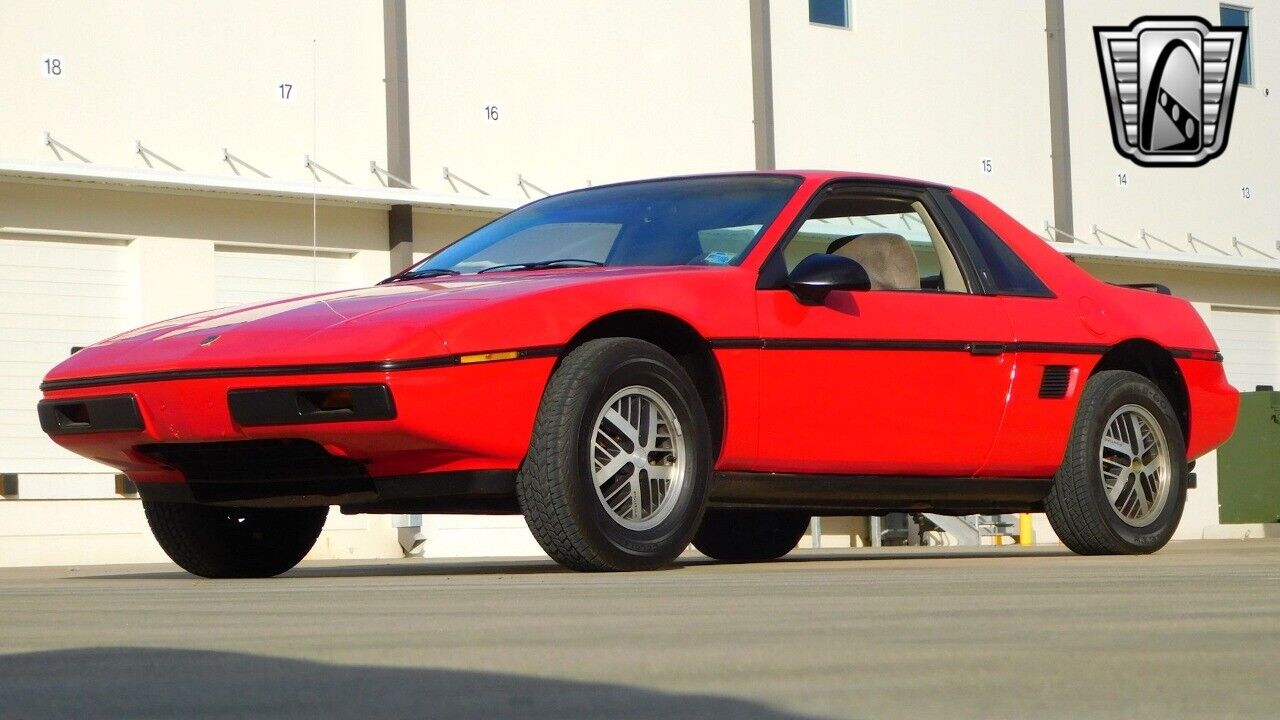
54,294
1250,342
252,275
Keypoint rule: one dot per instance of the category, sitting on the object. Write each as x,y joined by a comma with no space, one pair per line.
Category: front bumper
437,420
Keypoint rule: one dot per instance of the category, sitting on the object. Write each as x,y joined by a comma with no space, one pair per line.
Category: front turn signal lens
488,357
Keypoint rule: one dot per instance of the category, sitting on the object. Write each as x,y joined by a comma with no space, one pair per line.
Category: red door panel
881,382
1033,437
1051,333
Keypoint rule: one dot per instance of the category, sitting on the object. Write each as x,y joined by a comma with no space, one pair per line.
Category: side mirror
819,274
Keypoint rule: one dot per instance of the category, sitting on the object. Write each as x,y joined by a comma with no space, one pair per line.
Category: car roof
848,175
806,175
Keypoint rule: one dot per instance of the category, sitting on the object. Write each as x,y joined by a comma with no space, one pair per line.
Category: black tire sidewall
207,541
750,535
672,535
1156,534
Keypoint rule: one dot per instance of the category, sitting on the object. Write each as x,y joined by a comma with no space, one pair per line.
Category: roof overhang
330,193
1185,260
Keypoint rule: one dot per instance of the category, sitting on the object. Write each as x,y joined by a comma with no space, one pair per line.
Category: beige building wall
920,88
586,92
576,92
190,78
203,216
432,230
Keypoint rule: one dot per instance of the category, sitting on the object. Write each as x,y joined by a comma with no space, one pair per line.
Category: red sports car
638,366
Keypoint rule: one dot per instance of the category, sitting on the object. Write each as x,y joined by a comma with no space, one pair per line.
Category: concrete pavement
1193,631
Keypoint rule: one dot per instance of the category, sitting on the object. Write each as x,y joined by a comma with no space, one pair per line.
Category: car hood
384,322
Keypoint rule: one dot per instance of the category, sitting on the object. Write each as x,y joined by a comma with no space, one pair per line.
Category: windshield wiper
427,273
542,265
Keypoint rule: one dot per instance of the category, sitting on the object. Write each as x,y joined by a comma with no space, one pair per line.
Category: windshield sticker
719,257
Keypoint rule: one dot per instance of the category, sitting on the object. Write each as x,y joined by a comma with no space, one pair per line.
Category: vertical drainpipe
395,50
762,85
396,62
1059,130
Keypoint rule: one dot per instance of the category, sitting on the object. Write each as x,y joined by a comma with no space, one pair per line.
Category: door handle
986,348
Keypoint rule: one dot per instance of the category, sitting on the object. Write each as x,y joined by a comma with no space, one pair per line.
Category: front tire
218,542
619,466
750,535
1123,483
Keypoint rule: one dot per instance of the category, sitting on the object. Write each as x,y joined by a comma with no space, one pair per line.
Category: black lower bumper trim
285,472
254,461
472,492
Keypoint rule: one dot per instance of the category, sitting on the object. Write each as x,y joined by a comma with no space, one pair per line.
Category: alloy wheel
638,453
1135,463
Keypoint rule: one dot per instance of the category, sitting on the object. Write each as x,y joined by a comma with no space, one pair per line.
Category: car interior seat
657,246
887,257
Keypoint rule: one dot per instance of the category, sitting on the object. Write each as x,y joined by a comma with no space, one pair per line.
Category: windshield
688,221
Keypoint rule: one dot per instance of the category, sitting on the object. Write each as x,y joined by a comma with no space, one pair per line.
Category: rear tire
749,535
1123,483
218,542
619,466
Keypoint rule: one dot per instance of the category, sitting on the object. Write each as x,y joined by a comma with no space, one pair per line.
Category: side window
1003,270
894,238
1236,16
834,13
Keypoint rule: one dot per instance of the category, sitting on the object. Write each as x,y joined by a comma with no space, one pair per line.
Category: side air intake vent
1055,381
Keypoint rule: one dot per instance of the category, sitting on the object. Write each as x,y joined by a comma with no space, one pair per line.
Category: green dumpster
1249,463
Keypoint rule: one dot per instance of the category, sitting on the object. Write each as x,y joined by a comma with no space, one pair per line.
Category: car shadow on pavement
410,567
125,682
359,569
925,553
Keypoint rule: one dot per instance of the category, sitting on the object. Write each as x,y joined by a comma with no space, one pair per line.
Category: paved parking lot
1193,631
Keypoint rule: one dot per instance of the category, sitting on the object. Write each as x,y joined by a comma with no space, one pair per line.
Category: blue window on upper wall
829,12
1232,16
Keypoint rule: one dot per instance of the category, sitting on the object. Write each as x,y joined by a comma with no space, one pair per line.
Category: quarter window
1001,268
829,12
1236,16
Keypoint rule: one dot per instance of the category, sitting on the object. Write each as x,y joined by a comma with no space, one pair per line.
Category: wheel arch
682,341
1155,363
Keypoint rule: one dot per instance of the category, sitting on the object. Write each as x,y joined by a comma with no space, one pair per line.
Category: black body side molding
876,494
